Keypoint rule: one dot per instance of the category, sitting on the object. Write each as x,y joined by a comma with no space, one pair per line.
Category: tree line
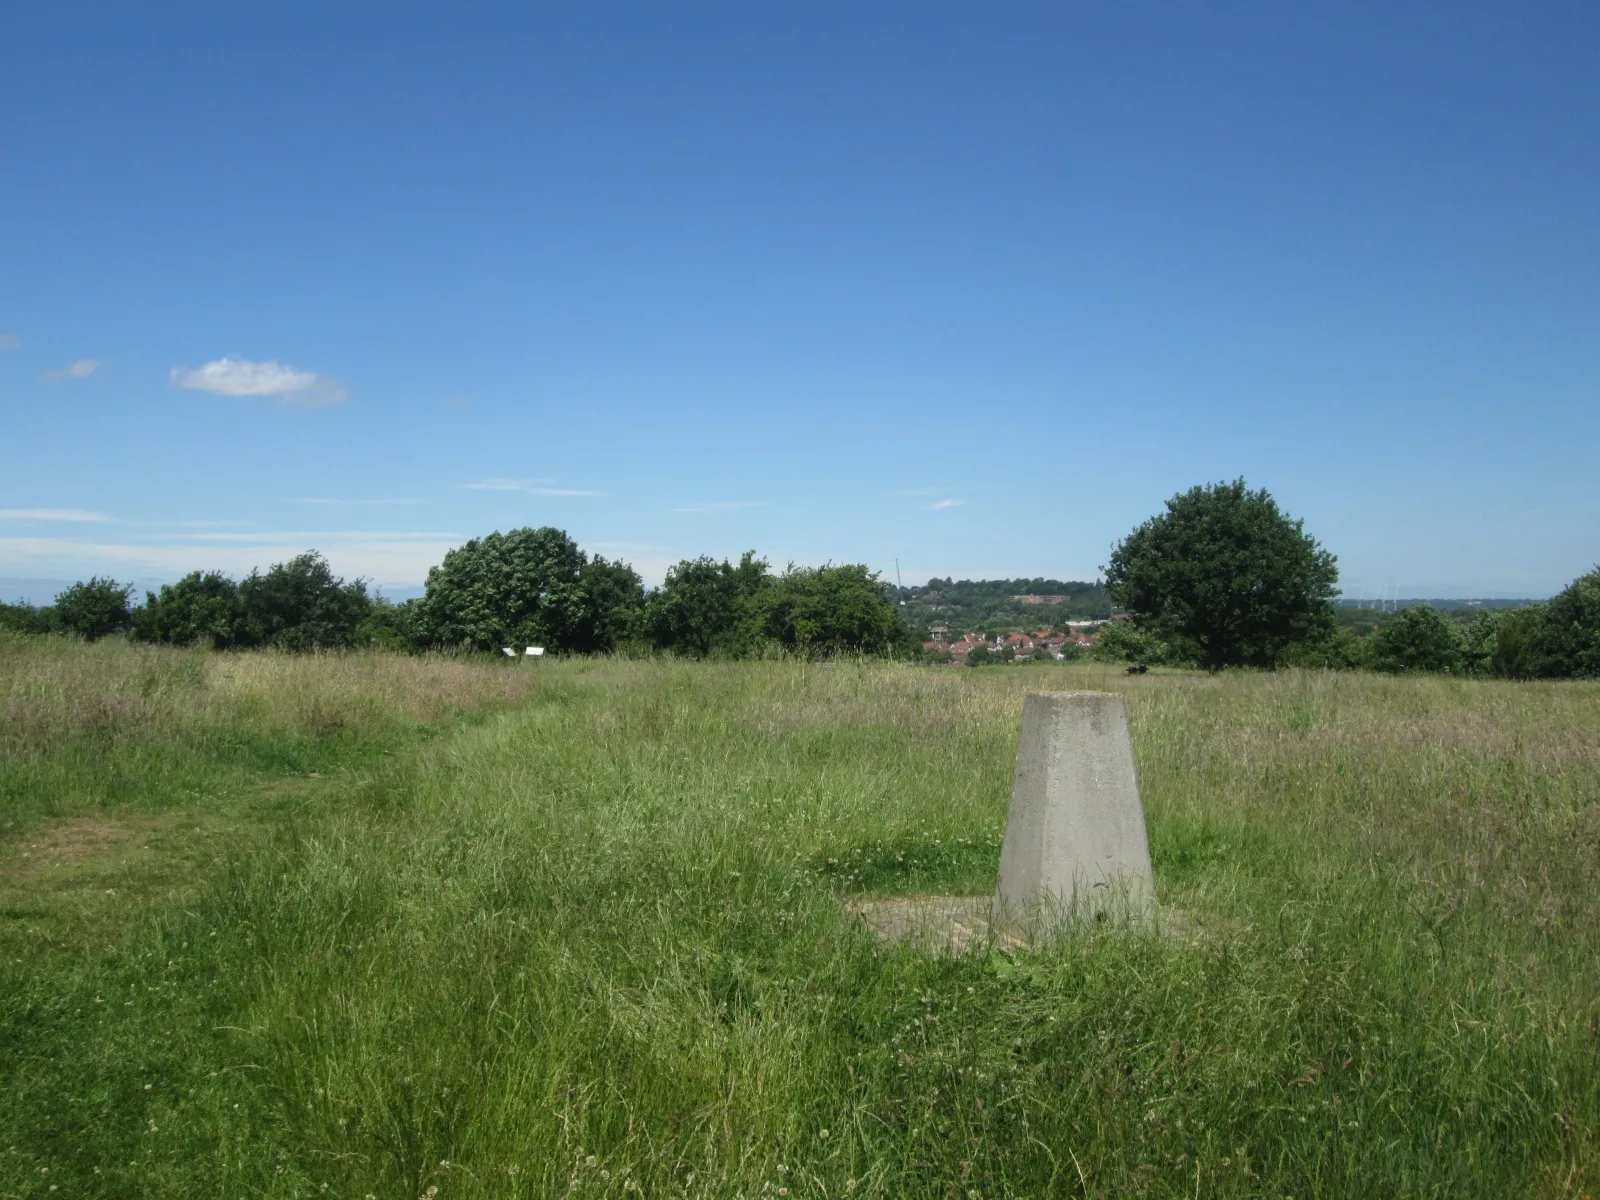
1221,578
525,587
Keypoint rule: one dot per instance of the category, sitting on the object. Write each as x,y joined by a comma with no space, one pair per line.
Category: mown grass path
591,944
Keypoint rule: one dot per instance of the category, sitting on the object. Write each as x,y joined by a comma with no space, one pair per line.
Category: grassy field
368,926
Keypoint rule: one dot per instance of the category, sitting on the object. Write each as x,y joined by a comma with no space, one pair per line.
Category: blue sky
974,287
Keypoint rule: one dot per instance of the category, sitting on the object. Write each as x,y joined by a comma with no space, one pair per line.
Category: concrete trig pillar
1075,838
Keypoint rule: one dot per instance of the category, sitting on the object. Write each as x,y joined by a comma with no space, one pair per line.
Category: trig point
1075,840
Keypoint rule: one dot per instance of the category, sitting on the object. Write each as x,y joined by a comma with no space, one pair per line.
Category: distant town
1014,645
1020,620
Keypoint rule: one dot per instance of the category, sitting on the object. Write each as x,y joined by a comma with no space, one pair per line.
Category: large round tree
528,586
1224,571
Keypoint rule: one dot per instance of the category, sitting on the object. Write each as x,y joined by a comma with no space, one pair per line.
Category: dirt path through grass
75,883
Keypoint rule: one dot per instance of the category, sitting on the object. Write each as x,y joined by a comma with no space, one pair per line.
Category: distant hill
994,605
1363,616
998,604
1441,605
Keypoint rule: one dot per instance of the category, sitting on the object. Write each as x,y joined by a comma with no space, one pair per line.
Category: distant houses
1023,646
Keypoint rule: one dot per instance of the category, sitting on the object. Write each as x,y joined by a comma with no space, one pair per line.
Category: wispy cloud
336,500
51,514
284,384
459,401
711,506
386,558
505,485
81,369
9,341
314,536
533,487
937,504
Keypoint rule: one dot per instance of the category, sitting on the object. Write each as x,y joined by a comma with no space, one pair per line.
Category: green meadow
369,925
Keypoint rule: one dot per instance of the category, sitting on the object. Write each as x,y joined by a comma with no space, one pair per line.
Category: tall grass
594,946
105,725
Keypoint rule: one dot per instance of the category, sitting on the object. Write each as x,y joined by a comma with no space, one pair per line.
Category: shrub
25,618
199,607
1478,641
302,605
94,609
829,610
1568,639
1129,642
1337,650
1417,639
388,625
704,606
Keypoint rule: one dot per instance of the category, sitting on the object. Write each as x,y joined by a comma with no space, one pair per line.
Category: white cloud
947,504
720,506
81,369
240,377
9,341
533,487
51,514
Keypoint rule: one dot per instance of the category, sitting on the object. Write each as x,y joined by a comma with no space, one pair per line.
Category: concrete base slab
938,924
957,925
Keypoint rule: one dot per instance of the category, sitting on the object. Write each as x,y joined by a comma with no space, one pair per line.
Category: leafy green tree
1518,651
202,606
94,609
527,587
301,605
1418,639
25,618
822,611
387,625
1479,638
1123,641
1224,570
1569,641
613,606
701,607
1337,649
